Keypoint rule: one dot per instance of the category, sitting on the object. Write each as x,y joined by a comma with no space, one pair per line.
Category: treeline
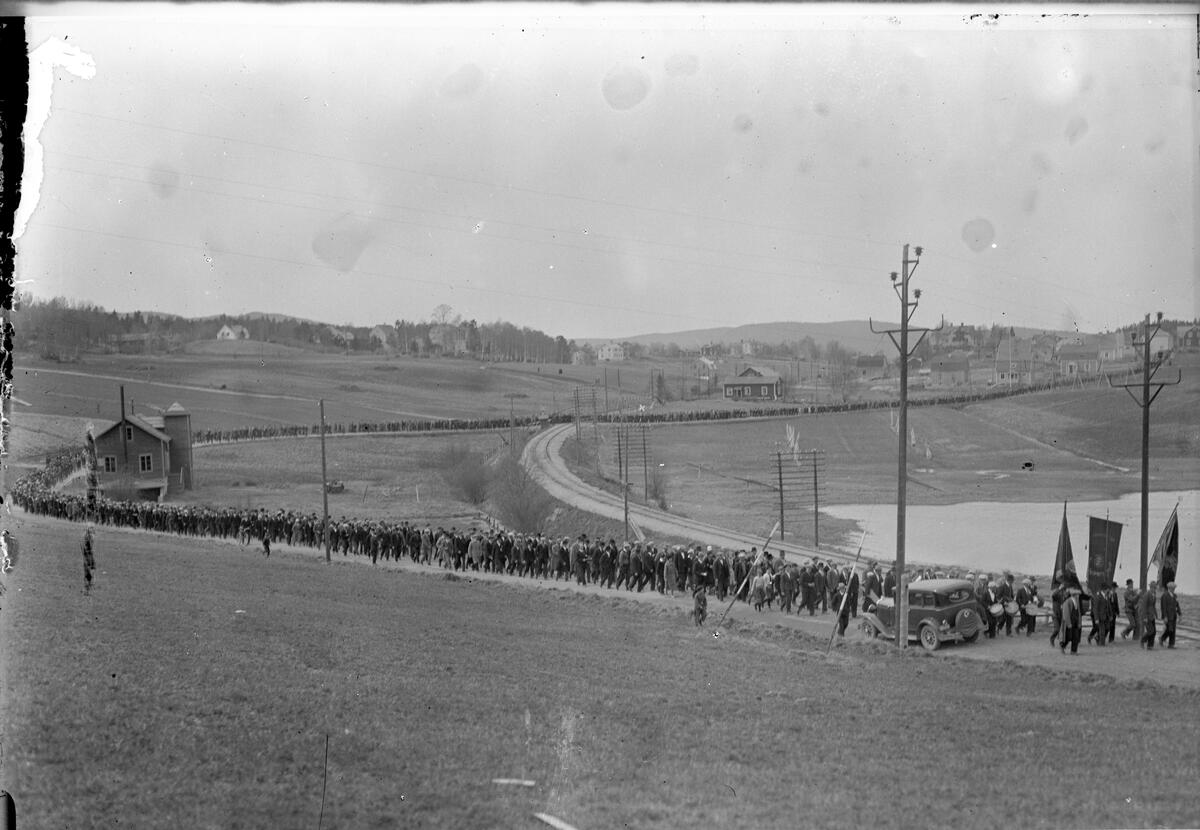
61,329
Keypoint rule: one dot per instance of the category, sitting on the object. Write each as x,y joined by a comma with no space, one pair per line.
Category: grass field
198,684
726,474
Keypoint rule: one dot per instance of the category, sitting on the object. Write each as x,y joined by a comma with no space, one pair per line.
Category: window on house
128,433
146,463
110,463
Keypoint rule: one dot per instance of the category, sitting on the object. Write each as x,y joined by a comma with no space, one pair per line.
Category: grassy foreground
197,685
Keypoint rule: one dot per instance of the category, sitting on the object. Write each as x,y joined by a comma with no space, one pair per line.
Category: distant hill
853,335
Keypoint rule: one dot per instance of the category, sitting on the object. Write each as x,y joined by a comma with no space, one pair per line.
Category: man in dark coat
1147,614
1170,615
1072,621
820,589
1101,612
1027,601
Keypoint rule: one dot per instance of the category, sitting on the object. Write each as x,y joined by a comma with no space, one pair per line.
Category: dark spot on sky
978,234
163,180
1077,127
682,63
1029,202
1153,145
463,82
821,108
625,87
742,123
1041,163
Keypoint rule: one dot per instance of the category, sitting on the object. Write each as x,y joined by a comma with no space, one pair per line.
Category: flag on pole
1166,552
1104,537
1064,560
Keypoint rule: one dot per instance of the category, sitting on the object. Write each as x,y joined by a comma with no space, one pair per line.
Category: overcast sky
601,171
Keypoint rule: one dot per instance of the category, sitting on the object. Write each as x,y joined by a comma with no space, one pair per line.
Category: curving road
543,459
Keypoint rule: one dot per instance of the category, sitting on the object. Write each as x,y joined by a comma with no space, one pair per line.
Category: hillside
853,335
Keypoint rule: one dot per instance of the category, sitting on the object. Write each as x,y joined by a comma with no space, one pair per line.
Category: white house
610,352
233,333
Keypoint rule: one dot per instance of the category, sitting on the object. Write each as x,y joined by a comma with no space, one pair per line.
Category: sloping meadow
199,684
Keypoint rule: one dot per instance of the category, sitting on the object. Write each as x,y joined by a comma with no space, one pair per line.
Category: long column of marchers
541,457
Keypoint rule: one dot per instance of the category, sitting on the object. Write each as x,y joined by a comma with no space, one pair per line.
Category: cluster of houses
961,362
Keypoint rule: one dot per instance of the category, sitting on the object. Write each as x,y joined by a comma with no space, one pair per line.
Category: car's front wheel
929,638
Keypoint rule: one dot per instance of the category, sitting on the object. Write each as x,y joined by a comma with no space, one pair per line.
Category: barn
754,383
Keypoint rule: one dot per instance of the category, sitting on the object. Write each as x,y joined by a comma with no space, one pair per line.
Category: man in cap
1132,595
1170,615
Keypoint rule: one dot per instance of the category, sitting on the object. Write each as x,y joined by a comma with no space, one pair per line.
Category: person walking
1072,622
1147,614
1027,601
1100,618
86,547
1170,616
1132,595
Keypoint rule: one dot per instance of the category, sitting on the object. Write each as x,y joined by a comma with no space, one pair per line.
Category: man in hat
1147,614
1027,601
1005,593
1101,611
1072,621
1170,615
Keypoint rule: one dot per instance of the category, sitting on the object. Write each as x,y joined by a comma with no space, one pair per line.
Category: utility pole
779,468
1149,369
907,309
324,487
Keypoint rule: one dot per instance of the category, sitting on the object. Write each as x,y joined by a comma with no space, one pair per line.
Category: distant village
955,356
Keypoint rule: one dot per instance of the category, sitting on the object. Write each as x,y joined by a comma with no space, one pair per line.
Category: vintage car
939,611
335,486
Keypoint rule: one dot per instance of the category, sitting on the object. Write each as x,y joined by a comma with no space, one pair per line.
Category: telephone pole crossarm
1149,369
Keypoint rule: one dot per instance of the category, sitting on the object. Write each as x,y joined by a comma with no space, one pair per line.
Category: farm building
1078,358
152,455
233,333
952,369
871,366
1190,339
380,335
610,352
754,383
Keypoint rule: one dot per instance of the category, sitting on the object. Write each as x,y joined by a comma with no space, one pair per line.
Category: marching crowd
763,581
641,416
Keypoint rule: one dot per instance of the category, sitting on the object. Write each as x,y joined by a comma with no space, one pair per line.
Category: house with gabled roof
151,455
754,383
233,332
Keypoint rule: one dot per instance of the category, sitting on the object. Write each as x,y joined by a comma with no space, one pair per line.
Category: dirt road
543,459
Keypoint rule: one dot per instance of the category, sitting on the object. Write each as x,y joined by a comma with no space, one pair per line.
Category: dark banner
1064,559
1104,537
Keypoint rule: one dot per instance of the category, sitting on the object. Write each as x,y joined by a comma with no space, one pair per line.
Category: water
1023,537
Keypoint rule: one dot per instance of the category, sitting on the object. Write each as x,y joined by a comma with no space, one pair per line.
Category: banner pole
770,536
846,596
